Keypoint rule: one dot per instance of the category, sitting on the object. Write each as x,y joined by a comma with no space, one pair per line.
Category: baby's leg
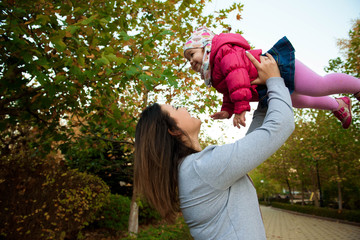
309,83
323,103
341,107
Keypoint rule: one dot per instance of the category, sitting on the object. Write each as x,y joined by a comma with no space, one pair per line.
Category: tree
82,71
265,186
320,156
351,52
96,64
319,150
339,147
98,61
350,64
350,61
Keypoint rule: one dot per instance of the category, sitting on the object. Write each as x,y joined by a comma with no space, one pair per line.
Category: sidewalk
288,226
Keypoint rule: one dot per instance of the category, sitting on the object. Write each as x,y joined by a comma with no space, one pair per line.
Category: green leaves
132,71
42,19
170,77
88,21
82,58
313,154
72,28
102,61
60,46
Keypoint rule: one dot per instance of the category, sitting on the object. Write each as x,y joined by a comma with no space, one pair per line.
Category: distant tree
351,52
265,187
350,61
339,148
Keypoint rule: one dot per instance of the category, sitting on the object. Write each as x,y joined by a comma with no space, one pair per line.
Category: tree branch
102,138
31,92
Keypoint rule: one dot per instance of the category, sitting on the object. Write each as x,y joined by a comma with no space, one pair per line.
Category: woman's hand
267,68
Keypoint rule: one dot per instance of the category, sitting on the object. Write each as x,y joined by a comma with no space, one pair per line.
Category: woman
215,194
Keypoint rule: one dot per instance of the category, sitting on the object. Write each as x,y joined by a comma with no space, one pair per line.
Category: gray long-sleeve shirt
217,198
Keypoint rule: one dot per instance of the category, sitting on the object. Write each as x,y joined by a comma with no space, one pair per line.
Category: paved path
288,226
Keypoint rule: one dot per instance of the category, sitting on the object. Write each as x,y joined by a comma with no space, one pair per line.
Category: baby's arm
227,109
236,75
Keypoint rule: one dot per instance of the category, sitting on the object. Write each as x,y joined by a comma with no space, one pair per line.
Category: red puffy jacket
232,72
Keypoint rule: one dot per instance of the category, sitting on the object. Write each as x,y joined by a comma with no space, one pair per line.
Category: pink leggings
312,90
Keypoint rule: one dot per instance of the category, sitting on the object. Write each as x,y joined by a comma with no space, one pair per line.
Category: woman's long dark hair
157,157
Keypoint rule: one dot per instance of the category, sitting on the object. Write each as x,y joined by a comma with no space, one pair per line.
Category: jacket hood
228,38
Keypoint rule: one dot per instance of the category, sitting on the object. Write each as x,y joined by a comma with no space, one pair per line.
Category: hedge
41,198
347,215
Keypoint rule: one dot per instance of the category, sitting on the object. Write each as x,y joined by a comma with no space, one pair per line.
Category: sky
312,26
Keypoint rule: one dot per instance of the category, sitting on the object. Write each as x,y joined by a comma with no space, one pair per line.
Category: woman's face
183,119
195,56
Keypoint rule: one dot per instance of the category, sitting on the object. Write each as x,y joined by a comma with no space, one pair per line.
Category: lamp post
263,189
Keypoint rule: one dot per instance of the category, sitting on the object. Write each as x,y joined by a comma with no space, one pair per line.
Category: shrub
147,214
40,197
114,215
176,231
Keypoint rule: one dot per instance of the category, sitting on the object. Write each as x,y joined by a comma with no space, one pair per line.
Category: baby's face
195,56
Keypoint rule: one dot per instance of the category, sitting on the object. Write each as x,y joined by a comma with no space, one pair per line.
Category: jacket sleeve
234,69
227,105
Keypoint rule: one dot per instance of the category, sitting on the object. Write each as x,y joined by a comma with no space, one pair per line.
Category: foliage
319,155
82,71
114,215
265,186
111,164
179,230
350,62
348,215
94,64
351,52
147,214
41,198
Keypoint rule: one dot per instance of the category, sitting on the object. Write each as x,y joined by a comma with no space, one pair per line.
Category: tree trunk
134,216
290,193
314,187
316,198
319,185
339,188
302,193
134,208
339,196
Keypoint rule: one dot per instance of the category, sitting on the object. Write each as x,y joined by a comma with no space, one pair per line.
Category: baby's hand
239,119
220,115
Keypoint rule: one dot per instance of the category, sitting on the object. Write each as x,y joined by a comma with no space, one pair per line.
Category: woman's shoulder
199,155
193,164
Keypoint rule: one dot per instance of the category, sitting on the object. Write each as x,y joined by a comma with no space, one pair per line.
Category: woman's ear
174,132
